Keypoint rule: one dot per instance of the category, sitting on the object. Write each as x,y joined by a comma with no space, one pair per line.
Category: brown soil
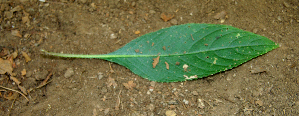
98,87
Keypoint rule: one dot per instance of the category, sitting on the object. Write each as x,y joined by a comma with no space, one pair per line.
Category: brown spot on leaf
167,65
137,50
177,63
156,61
164,48
166,17
153,44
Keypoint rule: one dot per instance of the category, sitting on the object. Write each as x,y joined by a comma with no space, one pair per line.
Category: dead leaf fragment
14,54
220,15
137,32
258,70
110,82
15,80
130,85
177,63
23,89
23,72
167,17
156,61
27,58
25,19
11,96
5,66
167,65
16,33
106,111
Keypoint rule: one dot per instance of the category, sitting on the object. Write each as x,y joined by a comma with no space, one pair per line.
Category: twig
118,102
111,70
45,81
12,104
14,91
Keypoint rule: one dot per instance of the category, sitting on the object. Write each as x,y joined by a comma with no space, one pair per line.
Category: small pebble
100,75
133,4
41,75
152,12
200,103
194,93
259,102
172,102
279,18
255,30
69,72
153,83
186,101
104,90
170,113
174,21
8,14
151,107
113,36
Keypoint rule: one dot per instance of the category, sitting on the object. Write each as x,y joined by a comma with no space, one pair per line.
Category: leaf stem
100,56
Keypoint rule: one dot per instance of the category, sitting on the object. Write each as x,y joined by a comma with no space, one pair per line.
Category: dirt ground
96,87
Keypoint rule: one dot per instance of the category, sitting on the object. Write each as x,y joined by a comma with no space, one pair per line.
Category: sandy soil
95,87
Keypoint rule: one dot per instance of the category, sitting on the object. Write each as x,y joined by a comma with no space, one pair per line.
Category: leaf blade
201,48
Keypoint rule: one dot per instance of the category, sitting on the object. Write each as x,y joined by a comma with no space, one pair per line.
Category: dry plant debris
129,85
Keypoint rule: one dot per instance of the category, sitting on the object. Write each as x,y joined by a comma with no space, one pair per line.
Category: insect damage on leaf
185,66
191,77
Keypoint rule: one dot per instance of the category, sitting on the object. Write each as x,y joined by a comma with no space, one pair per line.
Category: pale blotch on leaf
185,66
215,61
238,35
191,77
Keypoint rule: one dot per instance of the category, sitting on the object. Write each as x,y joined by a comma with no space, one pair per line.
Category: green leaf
186,52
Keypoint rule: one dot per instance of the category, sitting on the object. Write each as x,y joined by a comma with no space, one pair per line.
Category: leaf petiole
100,56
